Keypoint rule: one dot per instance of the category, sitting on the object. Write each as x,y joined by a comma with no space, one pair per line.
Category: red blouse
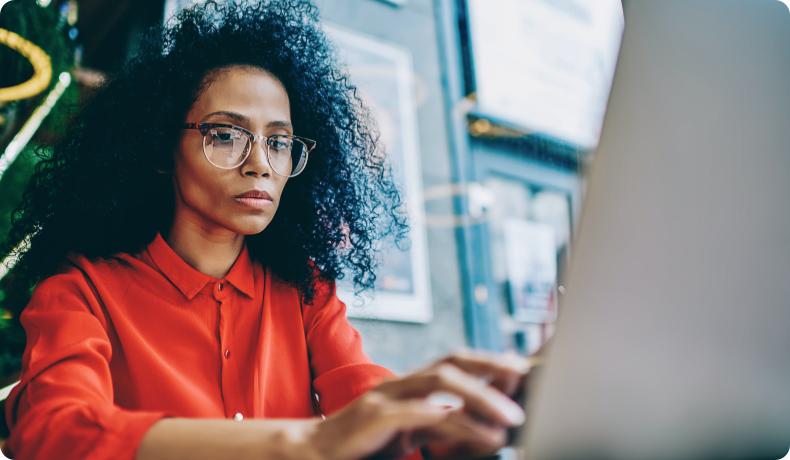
114,345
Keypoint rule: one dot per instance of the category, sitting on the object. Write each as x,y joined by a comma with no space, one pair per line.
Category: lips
255,194
254,199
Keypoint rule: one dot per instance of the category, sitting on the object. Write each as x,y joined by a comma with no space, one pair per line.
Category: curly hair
100,191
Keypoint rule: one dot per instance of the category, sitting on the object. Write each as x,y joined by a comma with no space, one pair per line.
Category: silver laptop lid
674,338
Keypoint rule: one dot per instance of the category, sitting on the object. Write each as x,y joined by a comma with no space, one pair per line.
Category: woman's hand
396,418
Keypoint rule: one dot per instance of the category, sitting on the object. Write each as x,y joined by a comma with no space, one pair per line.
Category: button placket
224,297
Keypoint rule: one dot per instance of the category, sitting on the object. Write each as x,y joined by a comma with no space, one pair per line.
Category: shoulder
324,302
82,277
325,306
324,291
113,263
323,288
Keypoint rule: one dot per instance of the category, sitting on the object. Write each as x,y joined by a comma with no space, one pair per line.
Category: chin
249,226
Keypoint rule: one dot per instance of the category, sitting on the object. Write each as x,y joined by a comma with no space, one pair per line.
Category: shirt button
227,354
219,287
238,417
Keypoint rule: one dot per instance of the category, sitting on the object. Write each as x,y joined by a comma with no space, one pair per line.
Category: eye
225,134
280,144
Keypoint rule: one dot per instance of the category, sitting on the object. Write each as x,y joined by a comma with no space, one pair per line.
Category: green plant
48,29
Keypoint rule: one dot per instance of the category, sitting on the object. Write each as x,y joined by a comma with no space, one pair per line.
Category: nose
257,164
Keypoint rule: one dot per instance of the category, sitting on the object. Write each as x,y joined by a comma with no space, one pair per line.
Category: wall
403,346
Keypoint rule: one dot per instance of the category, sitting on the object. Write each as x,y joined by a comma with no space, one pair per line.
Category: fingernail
512,411
517,362
486,379
523,365
444,399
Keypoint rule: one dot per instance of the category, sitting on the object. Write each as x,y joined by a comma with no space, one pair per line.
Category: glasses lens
225,147
287,156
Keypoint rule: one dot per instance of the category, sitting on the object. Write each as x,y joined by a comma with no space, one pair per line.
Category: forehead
251,91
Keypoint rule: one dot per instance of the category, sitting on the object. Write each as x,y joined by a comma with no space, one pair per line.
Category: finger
371,424
399,417
504,371
479,398
414,414
459,428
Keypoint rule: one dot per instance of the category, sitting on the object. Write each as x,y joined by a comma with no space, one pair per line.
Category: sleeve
63,407
341,371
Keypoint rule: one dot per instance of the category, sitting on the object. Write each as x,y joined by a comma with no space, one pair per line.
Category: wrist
300,441
289,440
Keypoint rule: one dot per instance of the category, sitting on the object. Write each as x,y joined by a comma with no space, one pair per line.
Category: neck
209,252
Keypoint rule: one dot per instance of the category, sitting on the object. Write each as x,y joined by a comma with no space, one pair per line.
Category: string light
20,141
7,390
42,68
8,263
42,74
31,125
71,16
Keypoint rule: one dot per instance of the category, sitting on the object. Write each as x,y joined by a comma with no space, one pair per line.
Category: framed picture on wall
383,75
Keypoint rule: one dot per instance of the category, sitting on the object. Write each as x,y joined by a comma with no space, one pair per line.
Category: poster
531,264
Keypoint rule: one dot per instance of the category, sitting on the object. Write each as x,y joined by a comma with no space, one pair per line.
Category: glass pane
529,230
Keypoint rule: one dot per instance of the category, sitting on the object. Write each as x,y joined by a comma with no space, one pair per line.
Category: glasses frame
205,127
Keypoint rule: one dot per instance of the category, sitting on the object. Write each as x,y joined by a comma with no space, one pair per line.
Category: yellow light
42,68
480,127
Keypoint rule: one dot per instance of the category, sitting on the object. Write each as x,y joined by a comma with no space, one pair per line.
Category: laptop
673,340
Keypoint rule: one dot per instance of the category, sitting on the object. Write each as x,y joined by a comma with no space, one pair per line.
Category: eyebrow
232,115
280,124
245,119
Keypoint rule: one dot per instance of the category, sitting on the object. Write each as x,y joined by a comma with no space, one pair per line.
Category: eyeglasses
228,146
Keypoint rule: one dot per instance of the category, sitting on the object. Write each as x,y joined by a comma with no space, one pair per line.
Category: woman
186,251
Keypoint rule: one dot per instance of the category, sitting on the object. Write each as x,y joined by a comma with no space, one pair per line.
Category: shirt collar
241,275
190,281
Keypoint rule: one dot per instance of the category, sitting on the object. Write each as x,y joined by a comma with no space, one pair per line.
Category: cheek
198,185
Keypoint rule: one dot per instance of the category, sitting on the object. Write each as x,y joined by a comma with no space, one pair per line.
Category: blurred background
489,109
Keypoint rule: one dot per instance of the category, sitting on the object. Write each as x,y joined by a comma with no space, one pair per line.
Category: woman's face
241,200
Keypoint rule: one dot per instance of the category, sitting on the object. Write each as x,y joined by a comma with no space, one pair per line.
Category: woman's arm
312,439
391,420
64,405
198,439
340,369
